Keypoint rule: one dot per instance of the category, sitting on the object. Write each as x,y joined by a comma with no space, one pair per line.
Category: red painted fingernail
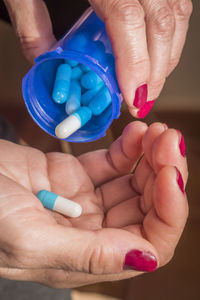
140,261
140,96
180,180
182,144
145,109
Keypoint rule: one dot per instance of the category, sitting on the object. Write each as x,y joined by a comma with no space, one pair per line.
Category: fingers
160,25
33,26
125,25
164,223
119,159
98,253
147,39
165,149
115,191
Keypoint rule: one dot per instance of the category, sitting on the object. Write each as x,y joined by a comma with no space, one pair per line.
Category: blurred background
178,106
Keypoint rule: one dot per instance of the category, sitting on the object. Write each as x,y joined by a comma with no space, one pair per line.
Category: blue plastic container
87,43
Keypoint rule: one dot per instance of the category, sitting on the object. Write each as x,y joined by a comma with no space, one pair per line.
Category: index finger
32,24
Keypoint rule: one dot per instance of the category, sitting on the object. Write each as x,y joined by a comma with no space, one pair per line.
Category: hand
147,38
122,212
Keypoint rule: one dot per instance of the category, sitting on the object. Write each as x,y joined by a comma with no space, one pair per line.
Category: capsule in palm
59,204
62,83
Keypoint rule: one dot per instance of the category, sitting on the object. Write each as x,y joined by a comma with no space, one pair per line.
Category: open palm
133,218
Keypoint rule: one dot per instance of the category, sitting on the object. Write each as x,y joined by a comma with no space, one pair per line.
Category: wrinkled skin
122,211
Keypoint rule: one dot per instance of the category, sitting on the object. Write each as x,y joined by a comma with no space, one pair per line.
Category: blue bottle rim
43,119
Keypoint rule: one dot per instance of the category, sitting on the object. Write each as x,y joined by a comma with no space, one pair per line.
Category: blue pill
62,83
72,63
90,80
77,72
100,102
89,94
74,100
85,68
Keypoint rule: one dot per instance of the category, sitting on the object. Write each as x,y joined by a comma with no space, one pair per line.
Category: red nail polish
180,180
140,96
145,109
140,261
182,144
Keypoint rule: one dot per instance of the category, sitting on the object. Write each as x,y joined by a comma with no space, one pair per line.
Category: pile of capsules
84,94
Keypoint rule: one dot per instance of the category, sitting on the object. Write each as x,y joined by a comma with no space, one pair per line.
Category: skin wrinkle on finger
160,31
125,20
182,11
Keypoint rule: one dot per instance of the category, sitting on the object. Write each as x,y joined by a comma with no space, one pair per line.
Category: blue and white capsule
100,102
74,100
59,204
90,80
62,83
74,122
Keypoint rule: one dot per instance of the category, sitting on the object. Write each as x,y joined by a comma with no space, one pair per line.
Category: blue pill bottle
86,43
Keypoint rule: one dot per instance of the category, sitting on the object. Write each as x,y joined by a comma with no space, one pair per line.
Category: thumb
125,25
33,26
106,251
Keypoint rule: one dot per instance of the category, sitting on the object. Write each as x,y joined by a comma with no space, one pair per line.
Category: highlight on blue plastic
85,43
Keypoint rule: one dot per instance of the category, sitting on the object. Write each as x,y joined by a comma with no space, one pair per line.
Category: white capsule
59,204
67,207
67,127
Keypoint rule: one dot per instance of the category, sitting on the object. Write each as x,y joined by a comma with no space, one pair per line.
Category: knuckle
183,8
172,64
164,22
128,11
97,266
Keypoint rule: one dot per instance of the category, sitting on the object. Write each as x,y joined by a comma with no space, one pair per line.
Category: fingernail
145,109
140,261
140,96
181,144
165,126
180,180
